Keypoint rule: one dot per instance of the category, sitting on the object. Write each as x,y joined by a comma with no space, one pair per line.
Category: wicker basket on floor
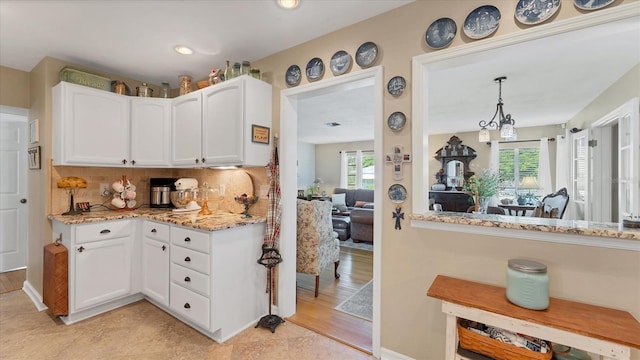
496,349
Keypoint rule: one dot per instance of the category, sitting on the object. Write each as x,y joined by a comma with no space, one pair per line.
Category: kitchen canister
144,90
528,284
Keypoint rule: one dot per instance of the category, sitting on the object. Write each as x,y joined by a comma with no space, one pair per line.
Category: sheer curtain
343,169
544,168
494,166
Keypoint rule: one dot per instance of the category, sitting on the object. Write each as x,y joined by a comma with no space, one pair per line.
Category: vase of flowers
483,186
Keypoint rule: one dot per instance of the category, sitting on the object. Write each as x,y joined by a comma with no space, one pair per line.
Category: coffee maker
160,192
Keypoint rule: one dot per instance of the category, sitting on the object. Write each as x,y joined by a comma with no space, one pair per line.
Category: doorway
13,189
288,135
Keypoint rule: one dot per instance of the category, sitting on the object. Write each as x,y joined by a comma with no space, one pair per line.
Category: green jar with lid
528,284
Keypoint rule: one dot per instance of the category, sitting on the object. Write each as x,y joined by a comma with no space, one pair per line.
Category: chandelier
503,123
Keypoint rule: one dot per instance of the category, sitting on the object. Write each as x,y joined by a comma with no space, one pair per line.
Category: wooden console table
602,331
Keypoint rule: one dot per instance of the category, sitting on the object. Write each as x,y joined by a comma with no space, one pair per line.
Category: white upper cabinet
90,126
97,128
150,132
219,131
186,130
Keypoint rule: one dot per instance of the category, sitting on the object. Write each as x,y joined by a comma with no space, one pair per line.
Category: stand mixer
185,195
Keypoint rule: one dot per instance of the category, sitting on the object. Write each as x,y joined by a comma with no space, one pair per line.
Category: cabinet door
186,130
150,132
155,270
91,127
223,123
102,272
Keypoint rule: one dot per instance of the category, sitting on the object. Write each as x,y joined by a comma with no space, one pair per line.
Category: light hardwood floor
319,314
12,280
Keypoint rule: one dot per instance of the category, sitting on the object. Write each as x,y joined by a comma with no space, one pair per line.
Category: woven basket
496,349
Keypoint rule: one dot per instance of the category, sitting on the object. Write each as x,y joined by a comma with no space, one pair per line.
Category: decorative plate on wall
396,85
315,69
340,63
366,54
591,4
531,12
481,22
397,121
397,193
293,75
441,33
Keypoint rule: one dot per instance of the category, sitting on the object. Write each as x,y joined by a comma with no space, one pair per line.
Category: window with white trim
360,169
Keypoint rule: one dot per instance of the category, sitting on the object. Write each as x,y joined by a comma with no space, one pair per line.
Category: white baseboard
386,354
35,297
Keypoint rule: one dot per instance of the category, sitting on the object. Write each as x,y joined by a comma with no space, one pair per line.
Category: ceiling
548,82
136,38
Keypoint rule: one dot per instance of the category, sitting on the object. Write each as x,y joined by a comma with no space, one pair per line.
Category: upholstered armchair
317,243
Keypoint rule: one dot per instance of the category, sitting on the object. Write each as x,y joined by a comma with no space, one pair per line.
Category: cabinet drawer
190,305
191,239
156,231
103,231
190,279
190,259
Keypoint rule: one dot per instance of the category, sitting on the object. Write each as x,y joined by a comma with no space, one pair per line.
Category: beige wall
412,324
14,87
328,162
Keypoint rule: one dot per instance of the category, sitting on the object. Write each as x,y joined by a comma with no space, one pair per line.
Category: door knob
23,201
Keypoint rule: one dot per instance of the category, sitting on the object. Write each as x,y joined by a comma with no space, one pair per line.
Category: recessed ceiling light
180,49
288,4
332,124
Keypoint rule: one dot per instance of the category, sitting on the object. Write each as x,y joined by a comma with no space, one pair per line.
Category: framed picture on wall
34,131
34,157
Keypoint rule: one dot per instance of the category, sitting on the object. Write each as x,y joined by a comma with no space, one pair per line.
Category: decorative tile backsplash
140,178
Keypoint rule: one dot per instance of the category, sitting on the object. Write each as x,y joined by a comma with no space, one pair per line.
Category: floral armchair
317,243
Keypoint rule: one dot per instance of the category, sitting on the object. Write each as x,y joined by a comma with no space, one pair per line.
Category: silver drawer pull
187,279
105,231
187,259
187,306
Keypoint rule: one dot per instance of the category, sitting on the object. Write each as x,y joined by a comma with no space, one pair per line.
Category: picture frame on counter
34,158
260,134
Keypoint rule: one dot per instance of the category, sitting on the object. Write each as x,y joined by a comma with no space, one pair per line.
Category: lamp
71,185
504,123
318,181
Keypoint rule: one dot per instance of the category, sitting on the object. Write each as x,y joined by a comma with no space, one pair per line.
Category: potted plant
483,186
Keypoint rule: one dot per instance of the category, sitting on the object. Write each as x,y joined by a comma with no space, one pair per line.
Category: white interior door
13,191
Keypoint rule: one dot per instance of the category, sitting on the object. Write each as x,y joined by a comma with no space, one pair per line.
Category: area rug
359,304
361,245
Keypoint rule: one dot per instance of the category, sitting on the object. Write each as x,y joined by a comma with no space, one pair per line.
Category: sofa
359,202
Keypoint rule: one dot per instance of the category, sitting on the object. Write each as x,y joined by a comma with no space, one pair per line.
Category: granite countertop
576,227
218,220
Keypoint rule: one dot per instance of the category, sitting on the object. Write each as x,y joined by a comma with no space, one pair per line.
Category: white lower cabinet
155,261
102,271
102,275
209,279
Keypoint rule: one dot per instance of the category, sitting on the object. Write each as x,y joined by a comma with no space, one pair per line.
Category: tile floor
142,331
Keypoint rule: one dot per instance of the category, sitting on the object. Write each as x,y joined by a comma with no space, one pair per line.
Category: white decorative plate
441,33
340,63
396,85
397,121
293,75
482,22
591,4
531,12
366,54
397,193
315,69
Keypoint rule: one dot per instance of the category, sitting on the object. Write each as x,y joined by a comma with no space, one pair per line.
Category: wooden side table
602,331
